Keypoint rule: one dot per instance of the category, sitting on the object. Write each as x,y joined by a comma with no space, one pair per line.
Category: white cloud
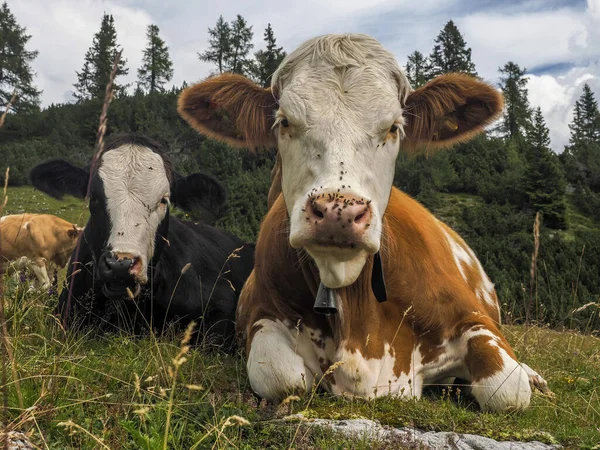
529,39
556,95
62,31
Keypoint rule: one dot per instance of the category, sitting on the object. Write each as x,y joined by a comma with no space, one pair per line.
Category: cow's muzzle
115,274
338,220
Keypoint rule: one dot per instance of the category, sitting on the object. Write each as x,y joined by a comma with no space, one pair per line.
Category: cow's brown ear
232,109
449,109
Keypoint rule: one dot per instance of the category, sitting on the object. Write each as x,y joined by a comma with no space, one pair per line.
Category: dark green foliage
450,53
501,236
219,45
421,176
98,63
416,69
517,113
68,132
268,60
157,68
16,73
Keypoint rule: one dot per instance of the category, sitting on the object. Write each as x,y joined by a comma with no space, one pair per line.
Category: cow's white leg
38,265
275,368
498,381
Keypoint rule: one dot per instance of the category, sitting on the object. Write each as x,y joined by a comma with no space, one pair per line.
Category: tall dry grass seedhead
73,428
533,272
8,105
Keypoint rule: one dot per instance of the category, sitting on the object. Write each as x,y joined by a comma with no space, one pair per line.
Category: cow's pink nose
338,218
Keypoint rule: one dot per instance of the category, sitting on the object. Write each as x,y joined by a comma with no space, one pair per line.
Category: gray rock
368,429
16,441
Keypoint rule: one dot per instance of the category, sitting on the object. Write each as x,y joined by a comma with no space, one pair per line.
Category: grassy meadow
83,391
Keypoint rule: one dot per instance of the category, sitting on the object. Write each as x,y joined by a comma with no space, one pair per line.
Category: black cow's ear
58,177
198,190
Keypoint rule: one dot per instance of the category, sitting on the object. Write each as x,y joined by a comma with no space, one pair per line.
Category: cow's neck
357,304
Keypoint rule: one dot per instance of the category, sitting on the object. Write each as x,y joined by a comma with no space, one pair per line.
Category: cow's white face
136,193
339,133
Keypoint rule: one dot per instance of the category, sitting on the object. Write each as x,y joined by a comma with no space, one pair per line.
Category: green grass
85,391
450,207
118,389
578,221
25,199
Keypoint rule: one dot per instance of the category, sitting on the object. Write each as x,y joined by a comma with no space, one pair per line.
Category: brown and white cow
339,110
39,240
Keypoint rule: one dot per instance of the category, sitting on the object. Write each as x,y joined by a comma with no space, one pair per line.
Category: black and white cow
131,243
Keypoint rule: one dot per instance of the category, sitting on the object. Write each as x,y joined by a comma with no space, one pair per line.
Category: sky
558,41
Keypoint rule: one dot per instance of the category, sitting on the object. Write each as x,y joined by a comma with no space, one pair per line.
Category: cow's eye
394,128
284,123
164,201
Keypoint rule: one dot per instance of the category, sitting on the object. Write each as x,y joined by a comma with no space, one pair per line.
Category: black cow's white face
136,192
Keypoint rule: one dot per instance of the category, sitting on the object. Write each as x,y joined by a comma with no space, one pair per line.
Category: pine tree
241,44
450,53
416,69
98,63
544,179
15,64
582,156
219,44
586,119
157,68
267,61
517,113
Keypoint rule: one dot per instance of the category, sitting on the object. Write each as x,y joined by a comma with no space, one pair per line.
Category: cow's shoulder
433,267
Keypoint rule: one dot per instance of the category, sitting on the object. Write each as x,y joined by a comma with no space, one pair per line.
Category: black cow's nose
113,268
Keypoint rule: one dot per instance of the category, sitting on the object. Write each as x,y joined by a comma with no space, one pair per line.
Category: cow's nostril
318,213
358,218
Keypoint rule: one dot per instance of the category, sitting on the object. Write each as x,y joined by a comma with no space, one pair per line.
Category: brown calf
43,239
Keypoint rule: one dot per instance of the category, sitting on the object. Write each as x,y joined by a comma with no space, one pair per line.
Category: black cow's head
130,190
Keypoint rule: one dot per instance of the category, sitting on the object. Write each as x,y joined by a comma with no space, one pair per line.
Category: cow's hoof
537,382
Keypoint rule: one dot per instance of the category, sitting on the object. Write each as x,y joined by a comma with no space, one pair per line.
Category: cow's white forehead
327,65
355,97
133,170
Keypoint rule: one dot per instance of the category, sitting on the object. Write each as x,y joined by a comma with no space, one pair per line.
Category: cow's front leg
279,362
38,266
498,381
